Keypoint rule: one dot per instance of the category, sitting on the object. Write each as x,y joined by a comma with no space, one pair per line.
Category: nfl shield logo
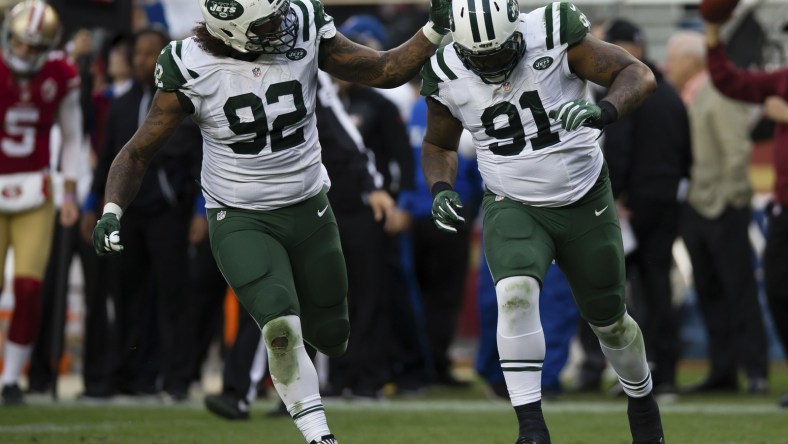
257,72
507,86
220,215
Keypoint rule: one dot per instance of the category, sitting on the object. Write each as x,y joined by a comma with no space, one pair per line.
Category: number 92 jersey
523,154
260,145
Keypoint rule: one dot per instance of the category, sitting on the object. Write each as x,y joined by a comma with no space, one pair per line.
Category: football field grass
441,416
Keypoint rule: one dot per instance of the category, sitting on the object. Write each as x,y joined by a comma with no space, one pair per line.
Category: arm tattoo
128,168
387,69
630,81
629,90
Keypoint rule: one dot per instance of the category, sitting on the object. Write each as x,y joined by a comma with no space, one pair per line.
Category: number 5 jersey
28,108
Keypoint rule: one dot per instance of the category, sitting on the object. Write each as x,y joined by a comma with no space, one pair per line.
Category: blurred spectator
649,171
771,90
715,222
156,228
361,206
41,89
383,131
49,343
437,254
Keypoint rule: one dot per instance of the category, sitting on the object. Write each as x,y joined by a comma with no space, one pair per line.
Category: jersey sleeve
434,72
564,24
313,12
171,73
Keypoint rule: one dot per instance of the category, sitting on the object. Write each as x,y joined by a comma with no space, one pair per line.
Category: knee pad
518,306
330,337
283,334
619,334
27,311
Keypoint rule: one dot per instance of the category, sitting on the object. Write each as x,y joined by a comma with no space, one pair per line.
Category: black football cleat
12,395
227,406
328,439
644,420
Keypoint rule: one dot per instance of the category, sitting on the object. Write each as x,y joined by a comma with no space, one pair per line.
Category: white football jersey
261,149
522,153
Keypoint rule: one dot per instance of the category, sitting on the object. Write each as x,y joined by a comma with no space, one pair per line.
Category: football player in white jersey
548,193
248,78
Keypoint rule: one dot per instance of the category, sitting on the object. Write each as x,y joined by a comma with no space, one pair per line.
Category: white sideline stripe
58,428
560,407
438,406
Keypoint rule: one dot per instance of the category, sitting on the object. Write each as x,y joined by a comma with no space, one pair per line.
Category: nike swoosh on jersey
597,213
321,212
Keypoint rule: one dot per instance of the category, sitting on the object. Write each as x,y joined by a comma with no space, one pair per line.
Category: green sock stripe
521,369
302,413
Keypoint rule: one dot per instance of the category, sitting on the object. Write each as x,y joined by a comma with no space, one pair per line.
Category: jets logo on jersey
543,63
296,54
512,11
224,9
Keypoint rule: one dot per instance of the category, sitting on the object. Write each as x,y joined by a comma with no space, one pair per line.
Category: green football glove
438,26
446,211
576,113
106,235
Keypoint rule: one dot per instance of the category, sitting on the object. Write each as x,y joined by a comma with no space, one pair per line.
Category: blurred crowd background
427,306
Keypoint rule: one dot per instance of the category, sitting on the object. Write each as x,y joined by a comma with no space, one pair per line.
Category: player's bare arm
128,168
629,81
439,148
356,63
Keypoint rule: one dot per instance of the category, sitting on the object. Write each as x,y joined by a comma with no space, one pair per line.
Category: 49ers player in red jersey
39,88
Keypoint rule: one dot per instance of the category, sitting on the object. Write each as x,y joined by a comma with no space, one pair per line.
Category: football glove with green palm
577,112
106,235
446,208
438,25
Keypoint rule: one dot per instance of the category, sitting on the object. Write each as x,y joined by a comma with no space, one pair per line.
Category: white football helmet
486,37
35,24
257,26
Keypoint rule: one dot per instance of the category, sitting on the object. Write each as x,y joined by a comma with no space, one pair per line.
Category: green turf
442,416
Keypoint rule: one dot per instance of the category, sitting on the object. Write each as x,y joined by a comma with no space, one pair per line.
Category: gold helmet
35,24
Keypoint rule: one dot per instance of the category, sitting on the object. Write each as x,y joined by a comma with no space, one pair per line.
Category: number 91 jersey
522,153
260,144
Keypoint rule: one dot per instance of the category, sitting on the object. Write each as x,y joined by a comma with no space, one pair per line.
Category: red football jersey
28,109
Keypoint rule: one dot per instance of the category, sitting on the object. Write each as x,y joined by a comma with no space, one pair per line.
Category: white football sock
622,344
294,376
521,344
14,360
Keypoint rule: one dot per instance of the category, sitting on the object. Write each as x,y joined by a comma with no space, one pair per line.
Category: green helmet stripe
474,23
488,23
548,23
562,11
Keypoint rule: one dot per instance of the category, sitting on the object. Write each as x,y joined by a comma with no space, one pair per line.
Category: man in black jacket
153,282
649,167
